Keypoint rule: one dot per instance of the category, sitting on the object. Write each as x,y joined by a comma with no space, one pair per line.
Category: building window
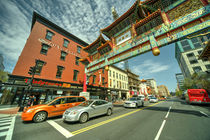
39,65
193,61
44,49
190,55
94,79
49,35
75,75
120,76
77,60
63,55
205,59
65,43
117,75
196,42
208,67
197,69
103,71
78,49
103,80
110,73
59,71
113,74
110,82
185,45
88,80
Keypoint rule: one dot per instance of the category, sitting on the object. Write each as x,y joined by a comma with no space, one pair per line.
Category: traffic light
31,70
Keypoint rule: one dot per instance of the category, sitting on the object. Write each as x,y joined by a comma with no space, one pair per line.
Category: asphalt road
166,120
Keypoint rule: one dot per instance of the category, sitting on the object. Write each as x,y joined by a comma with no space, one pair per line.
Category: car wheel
142,104
109,112
40,117
137,105
83,118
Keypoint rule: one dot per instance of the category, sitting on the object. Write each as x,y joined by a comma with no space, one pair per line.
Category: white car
134,102
153,100
142,97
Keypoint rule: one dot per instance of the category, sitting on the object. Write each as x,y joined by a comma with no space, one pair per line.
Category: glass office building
187,52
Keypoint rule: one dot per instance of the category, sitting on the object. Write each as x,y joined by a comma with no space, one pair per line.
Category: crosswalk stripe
5,119
11,129
5,116
60,129
5,123
5,127
2,118
3,133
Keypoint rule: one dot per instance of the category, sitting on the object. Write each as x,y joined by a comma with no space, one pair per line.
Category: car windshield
153,98
132,99
86,103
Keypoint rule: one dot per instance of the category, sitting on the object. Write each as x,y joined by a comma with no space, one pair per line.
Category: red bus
198,96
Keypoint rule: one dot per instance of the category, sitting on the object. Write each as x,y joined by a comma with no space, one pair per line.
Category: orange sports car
55,107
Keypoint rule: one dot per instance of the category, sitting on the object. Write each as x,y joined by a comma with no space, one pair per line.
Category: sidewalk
8,110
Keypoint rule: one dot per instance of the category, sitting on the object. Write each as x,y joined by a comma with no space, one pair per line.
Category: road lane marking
204,113
110,120
10,132
7,123
163,123
160,130
60,129
168,113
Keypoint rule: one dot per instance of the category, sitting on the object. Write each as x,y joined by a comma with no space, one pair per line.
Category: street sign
59,92
85,94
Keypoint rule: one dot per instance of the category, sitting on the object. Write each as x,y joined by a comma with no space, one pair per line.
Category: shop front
43,90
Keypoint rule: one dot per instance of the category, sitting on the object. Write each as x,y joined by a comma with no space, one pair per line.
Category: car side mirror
93,106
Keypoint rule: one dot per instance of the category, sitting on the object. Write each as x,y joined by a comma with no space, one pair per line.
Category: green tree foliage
3,76
197,80
178,93
6,94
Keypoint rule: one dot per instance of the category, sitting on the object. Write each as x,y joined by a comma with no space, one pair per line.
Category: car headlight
29,110
73,112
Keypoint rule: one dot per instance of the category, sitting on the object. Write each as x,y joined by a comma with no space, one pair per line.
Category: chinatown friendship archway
147,26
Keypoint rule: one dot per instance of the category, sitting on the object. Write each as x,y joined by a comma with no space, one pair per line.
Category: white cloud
83,18
149,67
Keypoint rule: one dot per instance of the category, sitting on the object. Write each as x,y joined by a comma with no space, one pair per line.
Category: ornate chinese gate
147,26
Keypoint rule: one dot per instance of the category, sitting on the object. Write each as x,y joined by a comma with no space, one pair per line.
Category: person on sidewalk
31,100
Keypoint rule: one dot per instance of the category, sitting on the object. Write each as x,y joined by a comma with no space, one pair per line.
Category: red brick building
55,54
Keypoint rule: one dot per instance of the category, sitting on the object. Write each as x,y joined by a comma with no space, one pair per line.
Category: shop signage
58,47
85,94
59,92
40,82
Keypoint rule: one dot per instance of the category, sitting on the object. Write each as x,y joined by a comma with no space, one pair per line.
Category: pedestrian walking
31,100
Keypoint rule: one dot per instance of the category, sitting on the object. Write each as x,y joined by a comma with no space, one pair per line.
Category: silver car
87,110
134,102
153,100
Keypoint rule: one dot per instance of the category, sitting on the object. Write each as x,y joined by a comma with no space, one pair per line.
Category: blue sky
83,18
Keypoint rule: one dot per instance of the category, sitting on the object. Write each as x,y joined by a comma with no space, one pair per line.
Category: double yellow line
110,120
